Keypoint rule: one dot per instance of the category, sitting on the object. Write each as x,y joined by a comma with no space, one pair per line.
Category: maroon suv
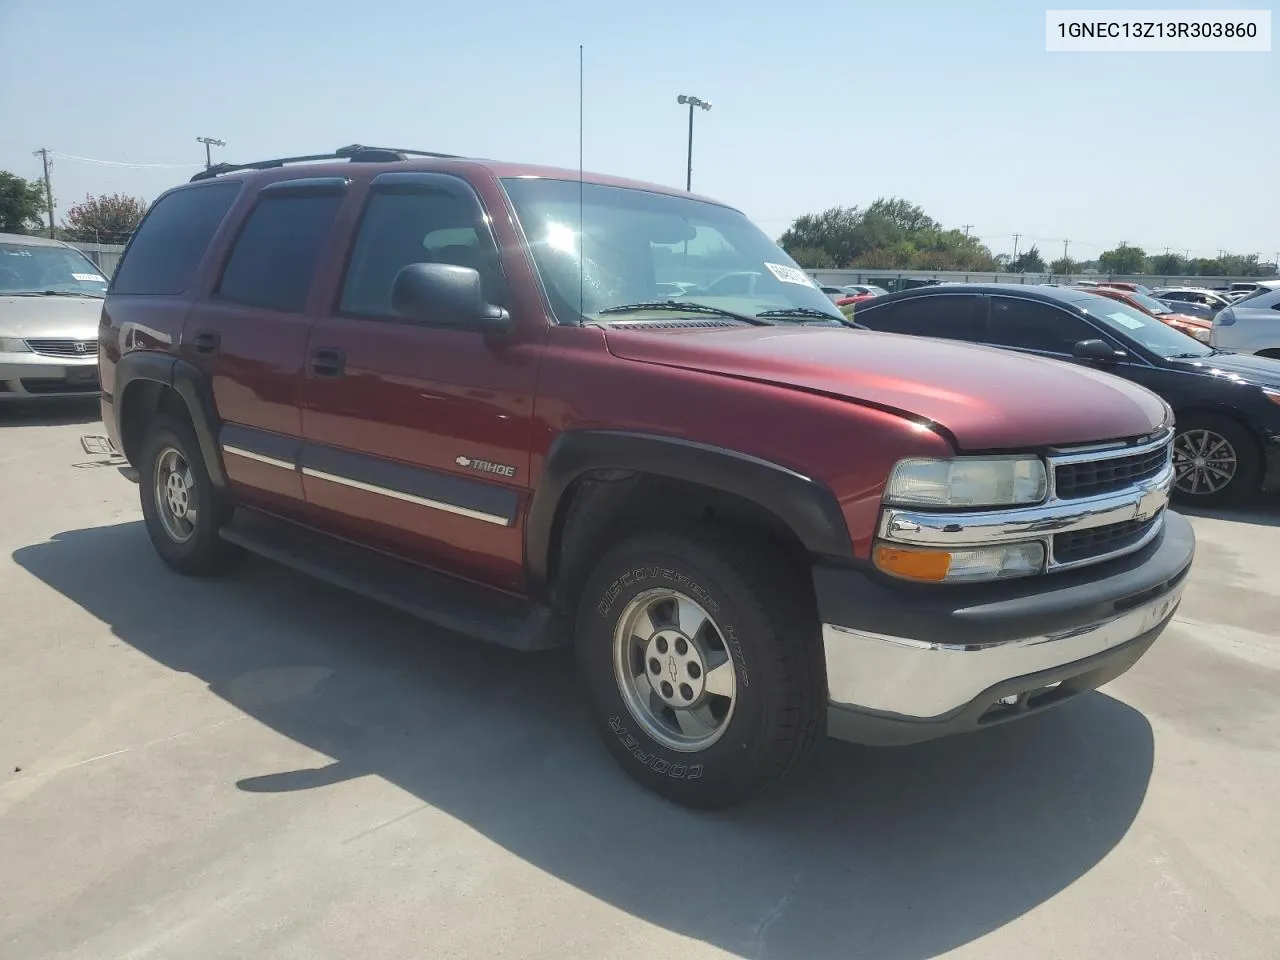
542,410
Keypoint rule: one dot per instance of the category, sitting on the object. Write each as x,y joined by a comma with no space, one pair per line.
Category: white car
1252,324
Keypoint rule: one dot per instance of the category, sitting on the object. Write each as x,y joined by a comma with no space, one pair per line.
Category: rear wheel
700,654
180,506
1215,461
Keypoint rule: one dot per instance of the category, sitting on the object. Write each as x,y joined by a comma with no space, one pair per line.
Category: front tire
180,506
700,654
1215,461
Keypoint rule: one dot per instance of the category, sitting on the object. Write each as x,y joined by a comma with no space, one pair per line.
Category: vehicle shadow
50,412
896,854
1261,510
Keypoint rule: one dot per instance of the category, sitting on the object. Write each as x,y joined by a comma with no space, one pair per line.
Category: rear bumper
908,663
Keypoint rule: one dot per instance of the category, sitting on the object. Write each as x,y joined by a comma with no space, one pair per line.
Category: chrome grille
1089,478
1101,541
64,348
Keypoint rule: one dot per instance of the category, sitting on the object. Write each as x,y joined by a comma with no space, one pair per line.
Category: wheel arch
148,382
597,485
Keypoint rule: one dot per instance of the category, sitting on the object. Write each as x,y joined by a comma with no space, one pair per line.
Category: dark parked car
1227,405
408,375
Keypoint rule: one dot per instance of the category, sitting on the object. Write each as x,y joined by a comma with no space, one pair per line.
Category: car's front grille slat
1090,478
1096,542
63,347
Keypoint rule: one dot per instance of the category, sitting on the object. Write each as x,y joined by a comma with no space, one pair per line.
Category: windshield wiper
684,306
50,293
799,312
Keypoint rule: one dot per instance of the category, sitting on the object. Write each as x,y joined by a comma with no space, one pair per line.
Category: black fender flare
805,505
191,384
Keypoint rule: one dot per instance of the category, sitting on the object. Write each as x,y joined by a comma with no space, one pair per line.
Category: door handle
206,341
326,362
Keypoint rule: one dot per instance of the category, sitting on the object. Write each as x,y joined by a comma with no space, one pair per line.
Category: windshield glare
26,268
1157,336
639,246
1150,304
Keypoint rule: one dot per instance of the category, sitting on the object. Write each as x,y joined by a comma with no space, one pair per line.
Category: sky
954,106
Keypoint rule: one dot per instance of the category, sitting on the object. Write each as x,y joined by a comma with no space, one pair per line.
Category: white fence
836,278
106,255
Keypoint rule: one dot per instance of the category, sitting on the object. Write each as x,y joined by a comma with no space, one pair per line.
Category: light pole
692,102
209,142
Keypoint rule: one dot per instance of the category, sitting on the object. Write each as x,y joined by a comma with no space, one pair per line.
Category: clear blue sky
954,106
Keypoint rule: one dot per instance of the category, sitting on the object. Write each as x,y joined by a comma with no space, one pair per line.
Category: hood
1241,367
73,317
986,397
1203,323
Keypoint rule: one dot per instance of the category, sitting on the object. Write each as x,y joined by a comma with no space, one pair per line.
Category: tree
1123,260
1167,265
812,258
1064,265
22,203
1029,261
110,218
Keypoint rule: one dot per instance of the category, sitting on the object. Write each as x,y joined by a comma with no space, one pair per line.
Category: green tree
22,203
110,218
1064,265
1029,261
812,258
1167,265
834,231
1123,260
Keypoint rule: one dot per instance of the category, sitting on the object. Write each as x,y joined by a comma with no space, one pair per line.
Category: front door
417,436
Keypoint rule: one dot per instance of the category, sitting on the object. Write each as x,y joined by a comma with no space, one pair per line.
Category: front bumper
33,377
907,663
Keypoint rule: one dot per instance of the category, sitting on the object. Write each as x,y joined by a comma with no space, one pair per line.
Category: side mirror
446,295
1097,350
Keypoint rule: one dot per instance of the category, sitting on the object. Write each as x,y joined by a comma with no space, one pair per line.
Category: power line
120,163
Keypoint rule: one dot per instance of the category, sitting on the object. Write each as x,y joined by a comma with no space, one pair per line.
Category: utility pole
692,102
1016,238
1278,263
966,229
43,154
209,142
1065,245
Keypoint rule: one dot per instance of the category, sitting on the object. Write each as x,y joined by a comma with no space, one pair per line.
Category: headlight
1002,481
12,345
961,565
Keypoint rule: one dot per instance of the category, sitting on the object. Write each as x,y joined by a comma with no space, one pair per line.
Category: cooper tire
171,470
762,618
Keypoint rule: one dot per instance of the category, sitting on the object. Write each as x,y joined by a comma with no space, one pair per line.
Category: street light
692,102
209,142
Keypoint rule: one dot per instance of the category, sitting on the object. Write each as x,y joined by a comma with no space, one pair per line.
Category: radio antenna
581,236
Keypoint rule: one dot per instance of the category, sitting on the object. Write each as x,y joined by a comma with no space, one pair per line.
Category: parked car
859,289
1126,285
50,298
834,293
1252,324
1176,296
1227,406
752,522
1196,327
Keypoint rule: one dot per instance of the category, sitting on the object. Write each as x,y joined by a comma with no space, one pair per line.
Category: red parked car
454,385
1197,327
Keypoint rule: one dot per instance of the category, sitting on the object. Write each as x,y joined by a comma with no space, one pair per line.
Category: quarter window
170,242
401,228
1036,326
274,259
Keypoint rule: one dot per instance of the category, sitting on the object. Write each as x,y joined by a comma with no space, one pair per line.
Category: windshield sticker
789,274
89,278
1127,321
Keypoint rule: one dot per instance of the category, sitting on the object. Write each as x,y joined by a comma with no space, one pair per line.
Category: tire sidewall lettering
659,765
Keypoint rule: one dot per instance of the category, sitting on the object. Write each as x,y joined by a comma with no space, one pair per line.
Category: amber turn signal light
928,565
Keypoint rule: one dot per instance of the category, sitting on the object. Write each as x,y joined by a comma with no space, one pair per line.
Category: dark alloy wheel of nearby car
1226,405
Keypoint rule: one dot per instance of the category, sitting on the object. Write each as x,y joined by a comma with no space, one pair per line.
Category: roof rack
355,153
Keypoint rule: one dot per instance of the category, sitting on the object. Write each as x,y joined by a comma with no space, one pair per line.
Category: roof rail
354,153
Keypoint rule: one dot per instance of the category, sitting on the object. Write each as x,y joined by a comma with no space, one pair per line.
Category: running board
456,605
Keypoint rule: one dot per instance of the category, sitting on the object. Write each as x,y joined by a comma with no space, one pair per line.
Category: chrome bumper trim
924,681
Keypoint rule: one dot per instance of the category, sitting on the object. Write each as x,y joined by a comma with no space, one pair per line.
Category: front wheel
1215,461
700,654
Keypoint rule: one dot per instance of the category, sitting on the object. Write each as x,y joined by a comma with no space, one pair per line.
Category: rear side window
949,317
274,258
168,245
1037,326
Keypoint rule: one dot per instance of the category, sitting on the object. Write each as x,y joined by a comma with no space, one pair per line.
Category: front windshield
30,269
1157,336
643,247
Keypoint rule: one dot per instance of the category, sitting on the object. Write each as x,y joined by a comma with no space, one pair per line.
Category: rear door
418,435
249,335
